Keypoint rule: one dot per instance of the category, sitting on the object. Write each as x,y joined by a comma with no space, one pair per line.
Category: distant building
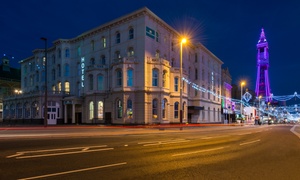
10,81
227,103
126,71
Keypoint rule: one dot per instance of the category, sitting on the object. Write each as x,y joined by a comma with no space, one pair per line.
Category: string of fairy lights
290,111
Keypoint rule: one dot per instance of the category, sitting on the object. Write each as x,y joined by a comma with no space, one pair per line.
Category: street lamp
46,92
181,81
259,97
18,91
242,84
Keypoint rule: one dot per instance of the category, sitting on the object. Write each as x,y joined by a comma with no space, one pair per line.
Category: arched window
100,109
196,73
92,61
119,78
157,54
176,110
131,33
154,77
103,42
91,110
129,77
67,87
59,86
154,108
67,53
91,82
58,70
118,55
119,109
100,83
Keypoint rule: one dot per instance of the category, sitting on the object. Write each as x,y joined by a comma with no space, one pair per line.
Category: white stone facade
123,72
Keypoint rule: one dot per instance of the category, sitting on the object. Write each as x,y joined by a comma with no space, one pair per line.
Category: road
237,152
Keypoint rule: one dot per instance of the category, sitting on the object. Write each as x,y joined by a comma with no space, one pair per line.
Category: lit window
129,108
104,42
91,110
164,103
67,87
119,109
130,52
100,109
59,86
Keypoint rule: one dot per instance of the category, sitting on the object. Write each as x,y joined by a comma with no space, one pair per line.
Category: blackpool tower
262,80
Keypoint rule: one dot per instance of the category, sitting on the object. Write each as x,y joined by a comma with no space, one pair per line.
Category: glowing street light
181,81
242,84
17,91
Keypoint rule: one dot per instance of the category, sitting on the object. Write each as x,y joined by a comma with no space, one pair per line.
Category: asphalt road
240,152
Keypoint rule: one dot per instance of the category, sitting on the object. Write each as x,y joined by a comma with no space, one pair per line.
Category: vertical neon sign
82,71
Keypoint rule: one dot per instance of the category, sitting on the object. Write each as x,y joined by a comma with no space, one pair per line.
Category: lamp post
242,84
259,97
46,92
181,81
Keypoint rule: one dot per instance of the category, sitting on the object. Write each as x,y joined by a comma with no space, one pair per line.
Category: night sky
230,29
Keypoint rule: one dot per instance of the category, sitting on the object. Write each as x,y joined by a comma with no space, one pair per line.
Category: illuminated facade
123,72
262,81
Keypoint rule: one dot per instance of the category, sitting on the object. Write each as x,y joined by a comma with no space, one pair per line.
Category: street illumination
46,95
181,81
242,84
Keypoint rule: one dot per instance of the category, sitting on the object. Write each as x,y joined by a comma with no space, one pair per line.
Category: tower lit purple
262,81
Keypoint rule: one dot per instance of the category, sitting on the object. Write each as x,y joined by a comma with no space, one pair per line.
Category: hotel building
126,71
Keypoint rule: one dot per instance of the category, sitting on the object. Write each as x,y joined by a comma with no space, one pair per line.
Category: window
67,53
154,77
196,57
100,82
93,45
100,109
34,109
103,61
172,46
154,108
131,35
103,42
92,61
157,36
196,73
119,77
118,37
176,110
130,52
27,110
79,51
130,77
67,87
91,110
119,109
91,82
118,55
59,87
37,76
163,107
129,108
67,70
176,84
19,111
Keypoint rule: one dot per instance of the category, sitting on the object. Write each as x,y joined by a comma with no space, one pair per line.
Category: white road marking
64,153
214,137
15,155
249,142
74,171
152,142
62,149
167,142
293,130
201,151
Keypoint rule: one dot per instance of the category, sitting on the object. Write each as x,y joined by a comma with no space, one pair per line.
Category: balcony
96,67
155,60
129,59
